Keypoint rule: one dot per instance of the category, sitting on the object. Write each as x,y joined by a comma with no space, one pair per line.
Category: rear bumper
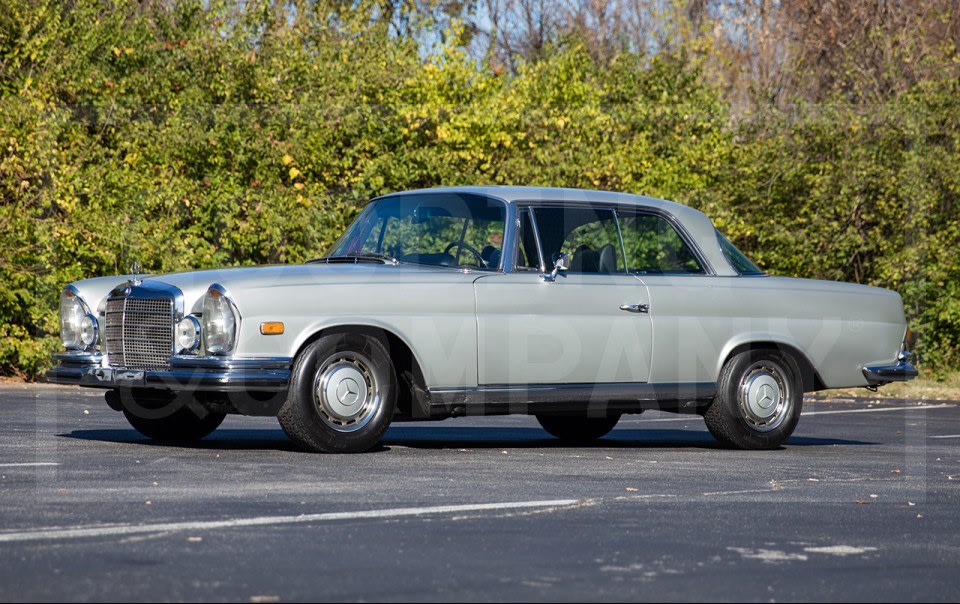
185,373
884,374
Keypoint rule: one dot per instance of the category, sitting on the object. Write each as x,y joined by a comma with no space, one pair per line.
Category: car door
586,327
689,326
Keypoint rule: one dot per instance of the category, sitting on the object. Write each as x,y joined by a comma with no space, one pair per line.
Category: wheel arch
412,394
809,375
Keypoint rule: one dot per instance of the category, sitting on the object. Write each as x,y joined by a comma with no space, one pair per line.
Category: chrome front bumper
903,371
185,373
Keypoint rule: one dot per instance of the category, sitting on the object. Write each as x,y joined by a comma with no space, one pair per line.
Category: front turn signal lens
274,328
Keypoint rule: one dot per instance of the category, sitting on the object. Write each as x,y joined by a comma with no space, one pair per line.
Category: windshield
437,229
736,258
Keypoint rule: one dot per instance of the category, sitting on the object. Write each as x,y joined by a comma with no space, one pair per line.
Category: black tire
342,395
758,402
175,418
578,428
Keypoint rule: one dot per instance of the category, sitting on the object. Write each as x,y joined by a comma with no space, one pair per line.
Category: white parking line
134,529
880,410
688,418
946,436
29,465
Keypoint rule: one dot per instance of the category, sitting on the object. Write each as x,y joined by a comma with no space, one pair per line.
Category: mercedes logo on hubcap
765,396
348,392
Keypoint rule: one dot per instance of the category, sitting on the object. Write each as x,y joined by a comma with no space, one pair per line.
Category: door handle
644,308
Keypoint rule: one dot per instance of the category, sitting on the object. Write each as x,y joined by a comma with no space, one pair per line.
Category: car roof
515,194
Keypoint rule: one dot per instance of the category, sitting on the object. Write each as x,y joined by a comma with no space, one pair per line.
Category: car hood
194,284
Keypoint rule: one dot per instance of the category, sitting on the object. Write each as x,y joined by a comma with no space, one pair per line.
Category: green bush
194,134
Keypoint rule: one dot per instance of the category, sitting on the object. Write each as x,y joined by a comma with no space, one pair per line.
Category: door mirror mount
561,263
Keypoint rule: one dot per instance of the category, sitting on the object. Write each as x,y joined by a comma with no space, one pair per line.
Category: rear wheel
758,400
176,418
342,395
578,428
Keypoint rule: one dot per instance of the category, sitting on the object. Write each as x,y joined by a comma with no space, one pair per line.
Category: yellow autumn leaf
286,160
294,173
116,51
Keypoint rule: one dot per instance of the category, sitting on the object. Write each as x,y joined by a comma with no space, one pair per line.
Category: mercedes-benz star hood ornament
136,270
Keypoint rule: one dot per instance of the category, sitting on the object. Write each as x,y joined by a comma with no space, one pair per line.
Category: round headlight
72,311
219,322
188,334
89,330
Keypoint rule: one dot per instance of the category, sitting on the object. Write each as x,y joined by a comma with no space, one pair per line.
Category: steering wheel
469,248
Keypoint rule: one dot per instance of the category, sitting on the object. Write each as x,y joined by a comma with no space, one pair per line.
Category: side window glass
654,247
589,236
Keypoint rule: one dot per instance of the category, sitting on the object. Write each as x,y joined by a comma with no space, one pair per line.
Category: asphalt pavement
862,504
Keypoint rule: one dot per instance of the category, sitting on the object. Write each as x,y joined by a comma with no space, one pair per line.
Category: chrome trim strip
85,357
229,363
590,399
623,247
877,375
625,391
510,217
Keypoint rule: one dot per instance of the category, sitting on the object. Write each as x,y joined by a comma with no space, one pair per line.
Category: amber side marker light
271,329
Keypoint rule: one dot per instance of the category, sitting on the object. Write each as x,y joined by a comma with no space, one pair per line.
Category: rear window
736,258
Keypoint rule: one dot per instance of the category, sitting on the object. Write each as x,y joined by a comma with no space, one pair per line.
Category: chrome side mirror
561,262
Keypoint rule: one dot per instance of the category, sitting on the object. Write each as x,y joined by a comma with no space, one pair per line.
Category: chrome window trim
623,248
708,270
720,236
536,238
510,218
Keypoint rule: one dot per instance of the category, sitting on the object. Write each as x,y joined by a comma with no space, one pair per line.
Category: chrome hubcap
346,392
764,396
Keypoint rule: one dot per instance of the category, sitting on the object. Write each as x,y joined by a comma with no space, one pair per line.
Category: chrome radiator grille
139,332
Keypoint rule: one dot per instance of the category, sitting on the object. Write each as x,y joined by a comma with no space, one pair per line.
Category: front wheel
342,395
175,418
759,396
578,428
